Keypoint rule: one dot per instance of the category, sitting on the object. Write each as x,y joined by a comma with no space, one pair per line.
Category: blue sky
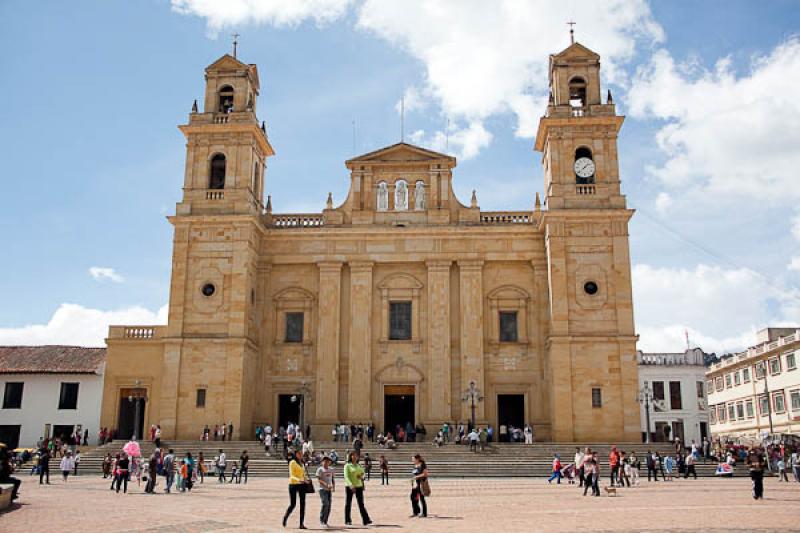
94,161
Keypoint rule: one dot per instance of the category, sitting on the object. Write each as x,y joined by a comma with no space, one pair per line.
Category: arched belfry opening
217,174
226,99
577,92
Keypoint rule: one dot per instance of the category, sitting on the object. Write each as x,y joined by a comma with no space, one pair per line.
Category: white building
49,391
676,383
747,389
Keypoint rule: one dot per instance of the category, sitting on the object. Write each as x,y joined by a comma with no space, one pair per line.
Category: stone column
438,337
360,367
327,342
471,298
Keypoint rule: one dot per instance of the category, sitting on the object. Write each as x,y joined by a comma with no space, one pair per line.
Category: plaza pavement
86,504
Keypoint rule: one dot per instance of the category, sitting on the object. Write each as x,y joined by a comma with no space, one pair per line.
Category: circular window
590,288
208,289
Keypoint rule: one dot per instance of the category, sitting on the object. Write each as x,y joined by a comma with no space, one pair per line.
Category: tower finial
329,203
571,32
269,204
473,203
194,106
235,43
537,203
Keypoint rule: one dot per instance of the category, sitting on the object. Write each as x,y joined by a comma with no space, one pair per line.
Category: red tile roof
51,359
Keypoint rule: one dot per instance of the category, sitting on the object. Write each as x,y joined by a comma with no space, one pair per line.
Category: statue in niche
400,196
419,196
383,196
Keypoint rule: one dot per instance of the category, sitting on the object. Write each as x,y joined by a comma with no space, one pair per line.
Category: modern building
675,385
755,393
49,391
392,305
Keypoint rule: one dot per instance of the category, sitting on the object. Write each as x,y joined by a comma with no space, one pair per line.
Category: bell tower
591,355
226,148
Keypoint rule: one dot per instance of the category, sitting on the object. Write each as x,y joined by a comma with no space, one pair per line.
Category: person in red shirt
613,461
556,470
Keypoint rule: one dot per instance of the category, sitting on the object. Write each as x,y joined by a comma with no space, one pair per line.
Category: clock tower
591,361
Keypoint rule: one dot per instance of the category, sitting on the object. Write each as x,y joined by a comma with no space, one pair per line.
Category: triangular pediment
227,62
576,51
401,152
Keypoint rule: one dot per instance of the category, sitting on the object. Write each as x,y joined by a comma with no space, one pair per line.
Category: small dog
611,491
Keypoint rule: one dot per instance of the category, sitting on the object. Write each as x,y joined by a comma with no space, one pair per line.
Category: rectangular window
709,386
774,366
760,369
658,396
763,405
399,321
201,398
597,397
731,412
746,375
12,397
737,378
728,381
508,326
795,398
68,399
712,414
791,361
718,383
294,327
675,400
700,394
721,412
749,409
779,402
740,411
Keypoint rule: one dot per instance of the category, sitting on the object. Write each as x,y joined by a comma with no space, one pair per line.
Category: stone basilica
390,307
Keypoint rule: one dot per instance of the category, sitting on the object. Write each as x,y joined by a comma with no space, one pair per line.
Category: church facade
401,304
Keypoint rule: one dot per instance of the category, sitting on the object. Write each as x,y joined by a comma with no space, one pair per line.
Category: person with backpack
168,469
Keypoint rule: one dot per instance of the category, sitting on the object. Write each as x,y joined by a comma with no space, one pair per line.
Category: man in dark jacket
44,465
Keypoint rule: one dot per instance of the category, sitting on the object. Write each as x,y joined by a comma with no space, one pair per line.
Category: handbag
308,485
425,487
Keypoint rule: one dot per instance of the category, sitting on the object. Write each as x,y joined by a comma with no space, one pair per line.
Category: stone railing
135,332
215,194
300,220
584,190
753,351
221,119
506,217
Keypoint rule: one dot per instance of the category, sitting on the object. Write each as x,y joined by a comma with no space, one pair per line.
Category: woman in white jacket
67,465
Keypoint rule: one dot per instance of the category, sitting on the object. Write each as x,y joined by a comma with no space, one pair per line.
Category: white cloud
794,264
74,324
725,134
721,308
796,226
222,14
663,202
480,58
105,273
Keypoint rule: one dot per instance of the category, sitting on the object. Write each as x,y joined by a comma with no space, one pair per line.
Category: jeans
243,471
221,478
294,490
121,478
418,498
652,471
591,482
384,477
554,475
581,477
614,474
690,470
170,480
44,472
325,497
359,494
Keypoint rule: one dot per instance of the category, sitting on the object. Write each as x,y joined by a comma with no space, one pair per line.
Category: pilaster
327,386
471,299
438,337
360,366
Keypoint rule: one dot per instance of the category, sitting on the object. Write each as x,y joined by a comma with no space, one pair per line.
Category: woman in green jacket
354,485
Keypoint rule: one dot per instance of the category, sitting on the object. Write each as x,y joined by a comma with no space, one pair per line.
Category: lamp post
472,395
137,398
646,397
304,391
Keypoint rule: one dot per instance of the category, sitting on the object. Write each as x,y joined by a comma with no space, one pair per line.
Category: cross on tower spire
235,43
571,31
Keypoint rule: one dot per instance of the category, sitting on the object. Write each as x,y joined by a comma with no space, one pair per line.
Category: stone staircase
452,461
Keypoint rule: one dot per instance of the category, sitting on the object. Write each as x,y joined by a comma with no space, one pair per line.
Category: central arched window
400,195
217,175
419,196
577,92
226,99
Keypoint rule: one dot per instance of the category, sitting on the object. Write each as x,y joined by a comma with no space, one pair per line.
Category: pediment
576,51
402,153
227,62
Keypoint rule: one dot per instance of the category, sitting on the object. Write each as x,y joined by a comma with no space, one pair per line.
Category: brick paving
469,505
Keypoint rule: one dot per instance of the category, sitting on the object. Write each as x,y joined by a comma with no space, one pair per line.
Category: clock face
584,167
